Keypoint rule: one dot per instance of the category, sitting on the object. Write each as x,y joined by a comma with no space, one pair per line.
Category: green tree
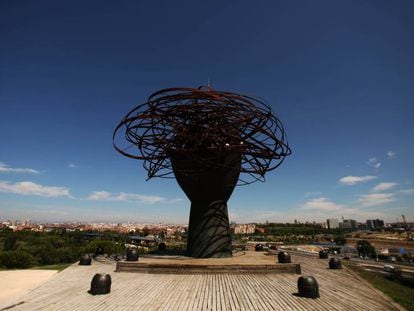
340,240
145,231
366,249
109,247
16,259
10,242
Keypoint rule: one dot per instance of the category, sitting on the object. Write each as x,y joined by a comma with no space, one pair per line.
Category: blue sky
339,74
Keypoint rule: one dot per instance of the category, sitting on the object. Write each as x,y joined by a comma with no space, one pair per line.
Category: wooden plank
241,291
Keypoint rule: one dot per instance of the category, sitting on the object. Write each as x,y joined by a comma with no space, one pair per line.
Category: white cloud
384,186
391,154
321,204
49,213
175,201
374,162
4,168
31,188
99,195
353,180
375,199
71,165
312,193
407,191
122,196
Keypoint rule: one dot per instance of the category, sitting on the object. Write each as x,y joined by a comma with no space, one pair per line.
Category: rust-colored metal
192,120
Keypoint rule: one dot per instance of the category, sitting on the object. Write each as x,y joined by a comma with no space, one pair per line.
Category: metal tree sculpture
210,141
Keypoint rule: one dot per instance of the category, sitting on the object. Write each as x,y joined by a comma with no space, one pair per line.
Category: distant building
370,224
344,225
332,223
7,223
373,224
244,229
259,230
348,224
362,226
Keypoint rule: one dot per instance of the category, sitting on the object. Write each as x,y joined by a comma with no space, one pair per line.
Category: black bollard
283,257
335,263
101,284
99,251
162,246
85,260
132,254
323,254
258,247
308,287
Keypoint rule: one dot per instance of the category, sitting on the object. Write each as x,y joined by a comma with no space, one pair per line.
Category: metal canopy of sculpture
210,141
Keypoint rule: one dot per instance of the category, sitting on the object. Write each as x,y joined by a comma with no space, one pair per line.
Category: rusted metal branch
192,120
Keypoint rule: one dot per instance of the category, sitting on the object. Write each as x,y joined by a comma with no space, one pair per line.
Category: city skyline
13,222
339,75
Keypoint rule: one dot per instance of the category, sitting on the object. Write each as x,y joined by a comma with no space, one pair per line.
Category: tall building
344,225
332,223
348,224
373,224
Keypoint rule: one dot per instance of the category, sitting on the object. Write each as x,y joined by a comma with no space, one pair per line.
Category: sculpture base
205,268
241,262
209,233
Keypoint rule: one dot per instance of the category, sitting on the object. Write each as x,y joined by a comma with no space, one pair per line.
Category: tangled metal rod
199,122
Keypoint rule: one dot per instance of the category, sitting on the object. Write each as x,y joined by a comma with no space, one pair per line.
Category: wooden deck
339,290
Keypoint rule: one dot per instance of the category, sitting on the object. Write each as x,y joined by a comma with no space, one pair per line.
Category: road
366,264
